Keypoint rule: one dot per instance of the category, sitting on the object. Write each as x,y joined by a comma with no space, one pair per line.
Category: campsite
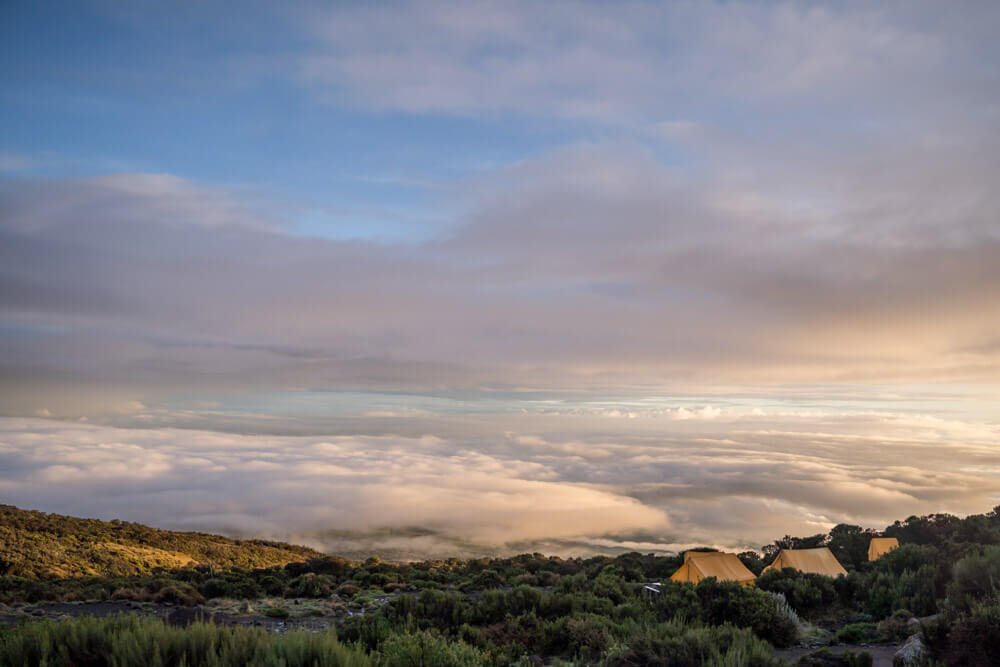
928,583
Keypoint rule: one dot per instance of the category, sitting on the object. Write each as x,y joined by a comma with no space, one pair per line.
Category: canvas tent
880,546
700,565
818,561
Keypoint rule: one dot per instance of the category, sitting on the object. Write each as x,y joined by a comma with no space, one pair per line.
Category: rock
912,653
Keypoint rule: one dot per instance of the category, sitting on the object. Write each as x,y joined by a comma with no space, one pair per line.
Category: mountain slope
39,545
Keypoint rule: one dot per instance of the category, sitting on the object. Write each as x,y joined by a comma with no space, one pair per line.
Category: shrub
973,639
898,626
423,649
676,644
746,607
276,612
181,594
975,578
806,592
134,641
310,585
857,633
134,594
347,590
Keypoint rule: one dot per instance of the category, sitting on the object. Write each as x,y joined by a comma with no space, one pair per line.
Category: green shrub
805,592
310,585
974,579
676,644
857,633
276,612
423,649
745,607
134,641
347,590
969,638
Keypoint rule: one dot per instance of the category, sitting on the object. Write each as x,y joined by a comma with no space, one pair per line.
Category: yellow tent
880,546
819,561
700,565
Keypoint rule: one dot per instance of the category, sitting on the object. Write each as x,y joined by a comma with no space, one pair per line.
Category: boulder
913,653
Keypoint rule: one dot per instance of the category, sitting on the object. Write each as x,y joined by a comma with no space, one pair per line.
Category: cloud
734,481
836,225
301,487
644,60
595,265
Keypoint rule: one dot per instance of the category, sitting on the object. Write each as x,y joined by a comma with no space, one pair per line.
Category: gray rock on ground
913,653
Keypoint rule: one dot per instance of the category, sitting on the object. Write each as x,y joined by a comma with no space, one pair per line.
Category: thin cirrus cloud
644,59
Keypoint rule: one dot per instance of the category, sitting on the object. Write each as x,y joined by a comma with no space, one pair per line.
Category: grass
133,641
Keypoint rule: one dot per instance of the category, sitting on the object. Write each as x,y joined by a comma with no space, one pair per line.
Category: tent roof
880,546
818,561
700,565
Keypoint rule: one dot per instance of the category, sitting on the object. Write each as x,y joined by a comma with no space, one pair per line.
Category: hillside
39,545
940,590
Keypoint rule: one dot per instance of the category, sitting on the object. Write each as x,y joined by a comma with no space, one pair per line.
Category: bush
310,585
134,641
180,594
806,592
746,607
347,590
898,626
857,633
676,644
276,612
975,578
973,639
911,577
423,649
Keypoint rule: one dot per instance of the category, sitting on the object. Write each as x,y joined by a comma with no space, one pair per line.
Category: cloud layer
592,266
730,478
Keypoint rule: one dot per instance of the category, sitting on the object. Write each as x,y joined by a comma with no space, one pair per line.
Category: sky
433,278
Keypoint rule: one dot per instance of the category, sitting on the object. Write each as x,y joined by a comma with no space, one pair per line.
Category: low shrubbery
805,592
857,633
594,611
133,641
676,644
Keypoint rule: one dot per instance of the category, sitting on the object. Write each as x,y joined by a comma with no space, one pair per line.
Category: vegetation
37,545
133,641
528,609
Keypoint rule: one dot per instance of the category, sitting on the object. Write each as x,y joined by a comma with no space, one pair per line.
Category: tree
850,544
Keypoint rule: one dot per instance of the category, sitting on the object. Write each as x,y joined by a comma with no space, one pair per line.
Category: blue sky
647,259
98,87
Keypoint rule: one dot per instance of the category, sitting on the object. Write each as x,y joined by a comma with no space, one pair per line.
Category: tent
700,565
880,546
818,561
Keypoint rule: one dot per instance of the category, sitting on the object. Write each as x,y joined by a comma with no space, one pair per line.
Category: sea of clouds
570,484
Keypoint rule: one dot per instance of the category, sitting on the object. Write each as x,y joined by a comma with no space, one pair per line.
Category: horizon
432,280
